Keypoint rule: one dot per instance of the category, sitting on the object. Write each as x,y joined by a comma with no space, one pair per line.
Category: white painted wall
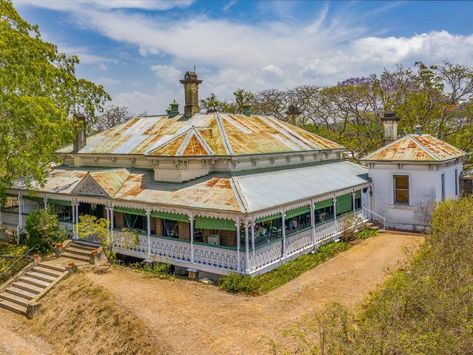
425,188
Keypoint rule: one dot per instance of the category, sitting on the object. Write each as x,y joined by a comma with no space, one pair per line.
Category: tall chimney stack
191,93
80,139
390,127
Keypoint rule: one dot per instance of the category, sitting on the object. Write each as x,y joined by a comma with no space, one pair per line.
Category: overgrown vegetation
261,284
366,233
80,317
42,227
425,309
9,254
92,226
156,270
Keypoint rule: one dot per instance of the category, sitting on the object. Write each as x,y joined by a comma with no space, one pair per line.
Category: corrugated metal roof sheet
268,189
246,192
224,134
413,147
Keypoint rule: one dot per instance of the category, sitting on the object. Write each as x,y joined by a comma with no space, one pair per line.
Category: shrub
159,270
366,233
43,230
264,283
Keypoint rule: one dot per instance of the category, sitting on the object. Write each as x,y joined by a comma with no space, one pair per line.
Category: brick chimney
81,136
191,94
390,127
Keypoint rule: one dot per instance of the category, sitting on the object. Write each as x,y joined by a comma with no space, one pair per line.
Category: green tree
43,230
39,92
92,226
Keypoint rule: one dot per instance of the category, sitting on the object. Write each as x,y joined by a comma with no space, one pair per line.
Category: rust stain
417,147
194,147
245,135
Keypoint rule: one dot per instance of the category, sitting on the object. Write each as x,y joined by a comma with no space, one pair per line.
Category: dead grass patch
80,317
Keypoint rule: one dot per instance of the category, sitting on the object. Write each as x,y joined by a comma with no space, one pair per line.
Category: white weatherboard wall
425,188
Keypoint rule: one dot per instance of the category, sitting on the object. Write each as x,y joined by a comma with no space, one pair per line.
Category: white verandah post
335,209
312,220
112,226
253,238
237,225
283,217
191,225
20,217
247,247
148,230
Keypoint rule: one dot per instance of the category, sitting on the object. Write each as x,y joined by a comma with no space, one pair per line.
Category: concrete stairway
29,286
78,250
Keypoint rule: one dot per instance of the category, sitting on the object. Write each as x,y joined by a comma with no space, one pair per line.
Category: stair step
14,299
53,267
34,281
21,293
78,251
75,256
40,276
13,307
44,270
83,246
27,287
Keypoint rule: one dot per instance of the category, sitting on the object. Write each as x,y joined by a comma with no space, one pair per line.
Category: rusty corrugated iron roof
242,192
415,147
204,134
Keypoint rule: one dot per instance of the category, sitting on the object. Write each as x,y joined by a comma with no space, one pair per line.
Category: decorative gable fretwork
88,186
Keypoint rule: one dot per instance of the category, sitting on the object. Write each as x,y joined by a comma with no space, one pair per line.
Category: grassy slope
82,318
425,309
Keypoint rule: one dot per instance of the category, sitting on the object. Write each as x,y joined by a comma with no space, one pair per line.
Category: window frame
395,189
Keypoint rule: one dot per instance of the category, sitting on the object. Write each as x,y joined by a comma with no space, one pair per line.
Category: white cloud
282,53
166,73
75,5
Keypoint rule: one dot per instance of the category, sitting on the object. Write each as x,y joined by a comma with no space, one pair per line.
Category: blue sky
138,49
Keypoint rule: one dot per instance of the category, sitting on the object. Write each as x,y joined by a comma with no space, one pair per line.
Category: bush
158,270
366,233
43,230
264,283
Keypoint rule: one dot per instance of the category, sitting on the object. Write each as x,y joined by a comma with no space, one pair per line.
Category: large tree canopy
39,93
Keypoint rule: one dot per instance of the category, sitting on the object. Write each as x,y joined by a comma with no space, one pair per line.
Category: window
401,189
456,182
443,186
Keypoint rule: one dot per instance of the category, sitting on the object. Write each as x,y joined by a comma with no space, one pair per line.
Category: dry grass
80,317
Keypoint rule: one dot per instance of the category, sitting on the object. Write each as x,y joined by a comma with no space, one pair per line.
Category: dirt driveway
200,319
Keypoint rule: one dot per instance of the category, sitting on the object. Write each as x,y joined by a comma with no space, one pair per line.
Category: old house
410,174
216,192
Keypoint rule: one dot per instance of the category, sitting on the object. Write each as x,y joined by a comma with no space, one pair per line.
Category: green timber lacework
214,224
344,203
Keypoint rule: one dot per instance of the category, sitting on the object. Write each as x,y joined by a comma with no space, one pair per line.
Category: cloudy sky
138,49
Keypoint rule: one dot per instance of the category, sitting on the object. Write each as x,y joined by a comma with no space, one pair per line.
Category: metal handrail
377,215
18,259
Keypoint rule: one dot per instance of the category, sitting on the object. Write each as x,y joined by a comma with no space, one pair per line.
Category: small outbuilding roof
416,147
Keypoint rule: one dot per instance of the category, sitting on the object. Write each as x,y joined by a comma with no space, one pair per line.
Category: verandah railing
226,258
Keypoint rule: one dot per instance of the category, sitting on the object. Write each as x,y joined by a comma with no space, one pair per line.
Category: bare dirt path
200,319
17,338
